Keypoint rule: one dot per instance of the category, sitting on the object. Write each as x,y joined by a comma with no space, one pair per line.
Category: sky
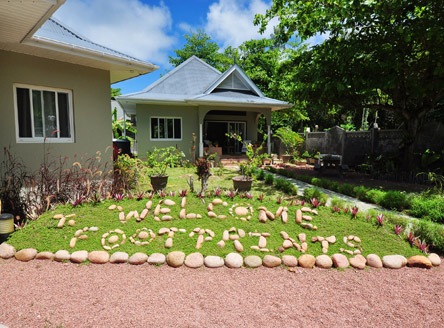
151,30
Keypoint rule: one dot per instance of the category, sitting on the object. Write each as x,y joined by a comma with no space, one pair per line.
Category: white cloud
230,22
129,26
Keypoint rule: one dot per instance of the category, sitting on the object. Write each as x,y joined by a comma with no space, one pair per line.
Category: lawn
44,235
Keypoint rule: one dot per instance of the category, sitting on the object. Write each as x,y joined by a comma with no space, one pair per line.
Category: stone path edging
232,260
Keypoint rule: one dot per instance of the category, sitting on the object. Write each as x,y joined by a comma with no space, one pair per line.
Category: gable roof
35,33
235,78
192,77
194,82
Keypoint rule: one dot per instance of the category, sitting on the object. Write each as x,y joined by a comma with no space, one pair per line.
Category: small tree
292,141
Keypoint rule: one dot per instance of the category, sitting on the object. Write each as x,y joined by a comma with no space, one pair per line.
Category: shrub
394,200
428,207
269,178
360,192
346,189
374,196
286,186
310,193
339,203
260,175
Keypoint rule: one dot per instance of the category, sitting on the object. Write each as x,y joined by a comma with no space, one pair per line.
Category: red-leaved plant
249,195
118,197
217,192
140,196
315,202
231,194
355,210
380,219
279,200
398,229
260,197
183,193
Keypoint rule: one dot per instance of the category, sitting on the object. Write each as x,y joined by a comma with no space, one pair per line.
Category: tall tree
201,45
386,55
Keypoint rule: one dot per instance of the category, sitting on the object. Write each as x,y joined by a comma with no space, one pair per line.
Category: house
55,84
195,98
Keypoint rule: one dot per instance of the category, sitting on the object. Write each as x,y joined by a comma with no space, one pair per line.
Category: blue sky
150,29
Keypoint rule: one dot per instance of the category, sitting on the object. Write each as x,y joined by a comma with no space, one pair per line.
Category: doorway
215,134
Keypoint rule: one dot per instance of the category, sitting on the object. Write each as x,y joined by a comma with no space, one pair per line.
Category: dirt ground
51,294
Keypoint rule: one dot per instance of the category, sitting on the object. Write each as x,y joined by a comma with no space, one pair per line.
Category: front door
215,133
237,128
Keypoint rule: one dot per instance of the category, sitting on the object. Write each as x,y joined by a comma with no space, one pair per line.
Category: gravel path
51,294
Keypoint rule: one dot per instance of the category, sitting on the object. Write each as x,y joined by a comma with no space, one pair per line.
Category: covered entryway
216,135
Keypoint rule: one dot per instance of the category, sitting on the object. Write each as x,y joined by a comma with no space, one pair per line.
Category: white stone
118,257
156,258
79,256
62,255
234,260
214,261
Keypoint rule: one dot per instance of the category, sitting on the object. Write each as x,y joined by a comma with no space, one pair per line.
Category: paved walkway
363,206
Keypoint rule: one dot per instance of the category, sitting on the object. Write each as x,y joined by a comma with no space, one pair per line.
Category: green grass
44,235
221,178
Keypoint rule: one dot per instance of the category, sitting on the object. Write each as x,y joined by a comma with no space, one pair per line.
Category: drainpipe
200,140
124,123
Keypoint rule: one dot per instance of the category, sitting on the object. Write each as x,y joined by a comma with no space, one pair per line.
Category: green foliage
310,193
160,159
394,200
431,233
360,192
255,157
115,92
286,186
346,189
128,172
118,127
386,55
260,174
430,207
269,179
200,44
292,141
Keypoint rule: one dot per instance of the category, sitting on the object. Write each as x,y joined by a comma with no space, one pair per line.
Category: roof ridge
83,38
177,69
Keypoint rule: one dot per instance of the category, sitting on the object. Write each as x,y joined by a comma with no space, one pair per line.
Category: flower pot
159,182
286,158
242,183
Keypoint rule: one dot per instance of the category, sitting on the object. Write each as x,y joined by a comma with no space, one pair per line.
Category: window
166,128
43,113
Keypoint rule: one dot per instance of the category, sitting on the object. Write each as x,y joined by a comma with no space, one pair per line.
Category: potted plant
248,168
292,142
158,161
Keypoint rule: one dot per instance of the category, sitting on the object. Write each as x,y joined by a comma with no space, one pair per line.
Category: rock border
232,260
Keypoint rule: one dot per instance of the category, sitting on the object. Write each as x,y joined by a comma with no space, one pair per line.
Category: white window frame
34,139
166,139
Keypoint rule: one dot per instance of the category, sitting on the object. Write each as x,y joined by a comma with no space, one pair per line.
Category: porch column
269,139
200,140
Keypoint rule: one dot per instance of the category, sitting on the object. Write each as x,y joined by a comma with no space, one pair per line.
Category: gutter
195,102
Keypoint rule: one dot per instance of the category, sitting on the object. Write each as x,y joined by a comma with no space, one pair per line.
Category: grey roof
194,81
55,30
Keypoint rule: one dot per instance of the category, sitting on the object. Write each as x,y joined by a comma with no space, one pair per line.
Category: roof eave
274,107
